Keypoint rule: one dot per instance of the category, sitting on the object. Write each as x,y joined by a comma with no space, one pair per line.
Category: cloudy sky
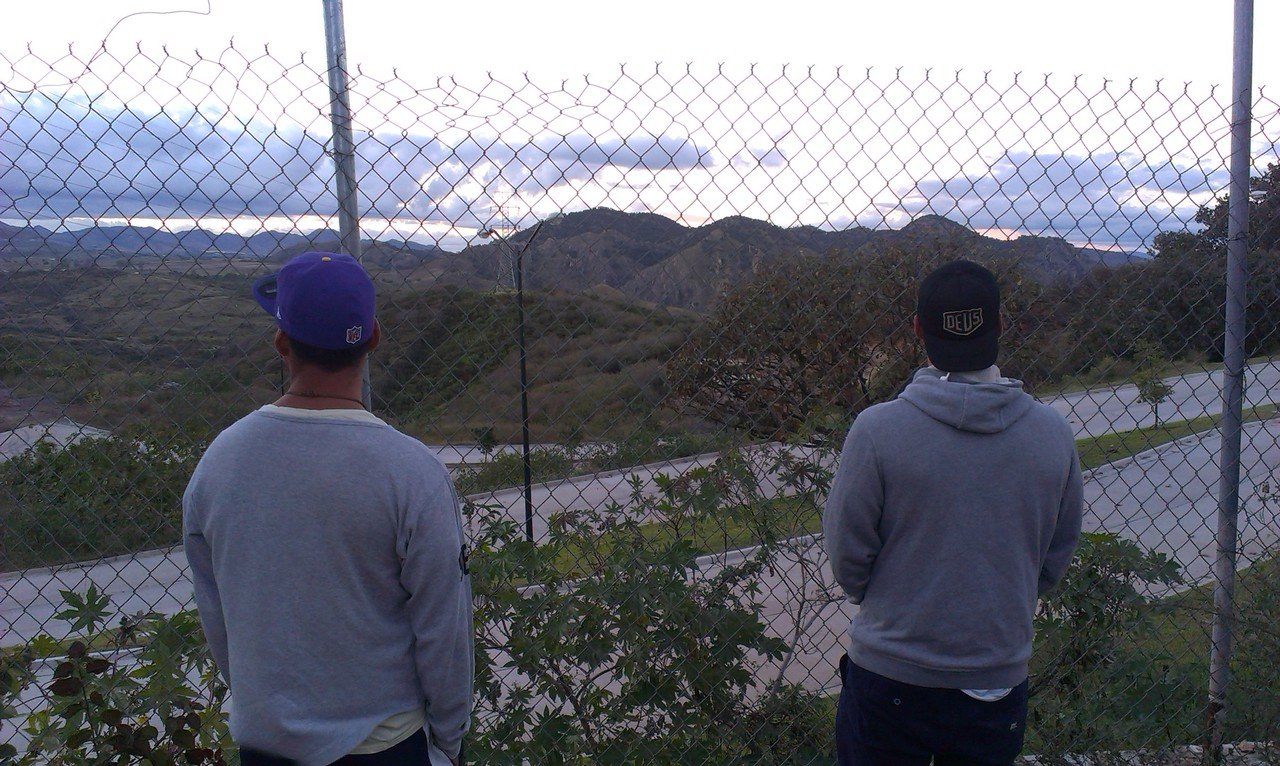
459,137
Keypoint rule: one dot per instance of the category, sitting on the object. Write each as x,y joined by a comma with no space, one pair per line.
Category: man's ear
915,324
375,338
281,343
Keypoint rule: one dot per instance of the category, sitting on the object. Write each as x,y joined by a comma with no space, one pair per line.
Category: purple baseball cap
326,300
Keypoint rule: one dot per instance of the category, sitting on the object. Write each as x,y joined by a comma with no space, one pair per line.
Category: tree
486,440
1264,221
1169,244
1152,389
803,345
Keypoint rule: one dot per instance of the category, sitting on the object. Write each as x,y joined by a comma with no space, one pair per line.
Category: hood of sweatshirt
984,408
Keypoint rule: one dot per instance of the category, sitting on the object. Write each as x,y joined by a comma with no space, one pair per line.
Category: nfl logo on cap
325,300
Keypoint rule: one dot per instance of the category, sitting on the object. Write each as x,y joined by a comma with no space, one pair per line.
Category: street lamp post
524,372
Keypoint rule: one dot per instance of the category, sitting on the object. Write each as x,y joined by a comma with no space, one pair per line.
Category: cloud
1105,197
73,156
767,157
77,156
69,156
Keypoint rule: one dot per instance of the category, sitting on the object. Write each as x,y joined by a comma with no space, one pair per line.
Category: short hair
328,359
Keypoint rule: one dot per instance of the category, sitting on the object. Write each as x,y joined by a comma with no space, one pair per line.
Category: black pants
882,722
411,752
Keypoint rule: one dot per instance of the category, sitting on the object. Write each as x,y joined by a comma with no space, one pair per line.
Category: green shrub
506,469
639,658
1099,680
95,498
793,726
623,653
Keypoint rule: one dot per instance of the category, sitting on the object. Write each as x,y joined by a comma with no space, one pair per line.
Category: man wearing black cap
327,553
954,508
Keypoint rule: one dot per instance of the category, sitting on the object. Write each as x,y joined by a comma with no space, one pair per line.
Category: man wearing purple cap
328,555
954,508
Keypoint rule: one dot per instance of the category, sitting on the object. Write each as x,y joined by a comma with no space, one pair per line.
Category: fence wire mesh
725,276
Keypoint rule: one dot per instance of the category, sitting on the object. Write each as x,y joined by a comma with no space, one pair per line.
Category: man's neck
989,375
314,390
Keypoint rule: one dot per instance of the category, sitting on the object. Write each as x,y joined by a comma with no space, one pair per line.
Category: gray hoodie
954,507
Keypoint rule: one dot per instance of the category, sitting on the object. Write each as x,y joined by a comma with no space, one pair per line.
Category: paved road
158,580
1164,498
63,433
1102,411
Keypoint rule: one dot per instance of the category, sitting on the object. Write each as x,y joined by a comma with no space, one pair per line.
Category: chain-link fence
715,271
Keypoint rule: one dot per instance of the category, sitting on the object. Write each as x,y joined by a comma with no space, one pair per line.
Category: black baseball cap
959,310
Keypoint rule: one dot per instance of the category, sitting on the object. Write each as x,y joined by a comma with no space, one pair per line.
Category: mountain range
107,244
642,256
652,258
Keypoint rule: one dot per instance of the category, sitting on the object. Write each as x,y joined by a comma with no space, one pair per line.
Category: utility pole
344,153
517,257
1233,356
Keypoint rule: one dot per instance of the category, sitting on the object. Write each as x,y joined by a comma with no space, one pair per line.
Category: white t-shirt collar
353,415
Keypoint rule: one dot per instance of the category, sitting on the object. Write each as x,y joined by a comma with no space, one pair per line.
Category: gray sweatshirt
954,507
327,555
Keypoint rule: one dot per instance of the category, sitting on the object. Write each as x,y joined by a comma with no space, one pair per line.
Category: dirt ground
16,412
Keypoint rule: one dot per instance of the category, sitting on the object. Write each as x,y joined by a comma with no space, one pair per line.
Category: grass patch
1184,627
1152,695
112,348
770,520
449,366
46,647
1098,450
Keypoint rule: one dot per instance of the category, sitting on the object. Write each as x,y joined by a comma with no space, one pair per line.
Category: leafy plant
637,657
644,653
130,700
1094,674
614,641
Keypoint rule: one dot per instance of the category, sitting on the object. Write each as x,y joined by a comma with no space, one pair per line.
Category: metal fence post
1224,568
344,154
